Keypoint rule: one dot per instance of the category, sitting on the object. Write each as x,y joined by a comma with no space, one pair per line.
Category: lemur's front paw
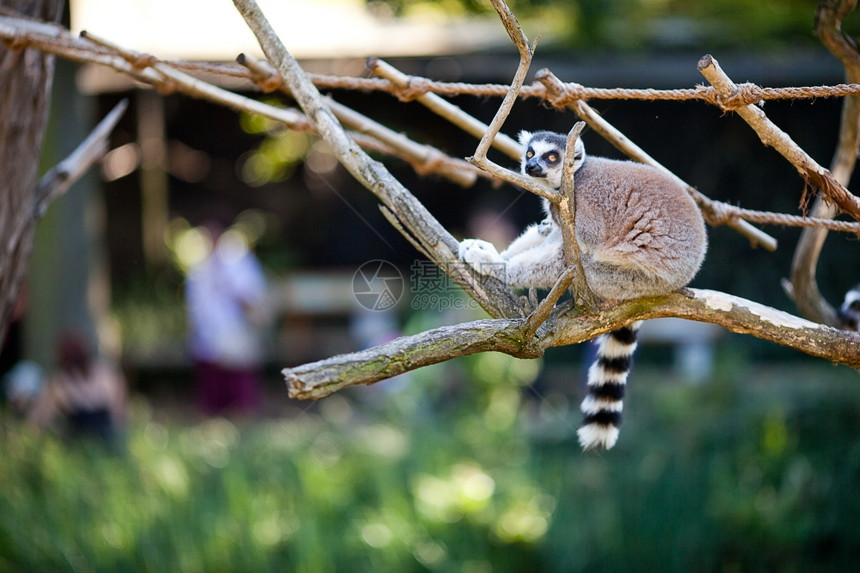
483,257
477,251
546,226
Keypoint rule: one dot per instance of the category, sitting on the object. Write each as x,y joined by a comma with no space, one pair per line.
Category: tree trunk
25,87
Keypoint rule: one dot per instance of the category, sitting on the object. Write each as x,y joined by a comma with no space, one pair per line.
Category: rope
716,213
721,214
746,93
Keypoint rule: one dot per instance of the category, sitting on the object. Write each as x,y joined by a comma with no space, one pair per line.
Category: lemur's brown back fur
639,232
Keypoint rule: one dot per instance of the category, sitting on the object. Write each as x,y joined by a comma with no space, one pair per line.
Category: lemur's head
543,154
849,312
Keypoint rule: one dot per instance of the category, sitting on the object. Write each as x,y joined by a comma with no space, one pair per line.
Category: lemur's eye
529,154
552,157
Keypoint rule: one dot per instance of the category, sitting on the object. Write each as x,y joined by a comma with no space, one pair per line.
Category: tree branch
526,51
584,298
490,133
543,309
511,336
57,180
63,175
734,313
443,108
772,136
319,379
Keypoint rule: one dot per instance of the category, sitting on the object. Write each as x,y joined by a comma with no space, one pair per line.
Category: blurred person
90,394
224,295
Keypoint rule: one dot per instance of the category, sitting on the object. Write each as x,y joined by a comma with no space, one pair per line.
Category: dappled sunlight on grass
758,472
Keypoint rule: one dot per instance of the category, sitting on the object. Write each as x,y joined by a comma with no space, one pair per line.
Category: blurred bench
692,342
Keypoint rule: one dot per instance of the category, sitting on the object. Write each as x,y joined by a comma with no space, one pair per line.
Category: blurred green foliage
149,315
637,24
277,156
453,469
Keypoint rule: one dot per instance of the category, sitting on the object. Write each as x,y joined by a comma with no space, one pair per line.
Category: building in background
109,241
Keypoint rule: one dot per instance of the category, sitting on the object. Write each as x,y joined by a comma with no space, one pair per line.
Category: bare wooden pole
444,108
772,136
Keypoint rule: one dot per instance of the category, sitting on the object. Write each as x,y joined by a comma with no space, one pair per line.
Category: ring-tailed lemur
639,234
849,312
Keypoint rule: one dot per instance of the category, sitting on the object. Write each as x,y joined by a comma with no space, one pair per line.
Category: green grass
758,470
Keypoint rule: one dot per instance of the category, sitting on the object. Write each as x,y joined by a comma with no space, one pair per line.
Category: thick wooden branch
319,379
493,296
734,313
772,136
511,336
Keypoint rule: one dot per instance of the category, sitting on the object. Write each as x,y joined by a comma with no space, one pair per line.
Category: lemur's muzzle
534,169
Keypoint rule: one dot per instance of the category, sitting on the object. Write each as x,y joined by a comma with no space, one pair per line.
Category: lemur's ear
524,137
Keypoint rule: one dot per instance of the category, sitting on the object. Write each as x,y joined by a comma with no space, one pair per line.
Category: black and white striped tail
607,379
